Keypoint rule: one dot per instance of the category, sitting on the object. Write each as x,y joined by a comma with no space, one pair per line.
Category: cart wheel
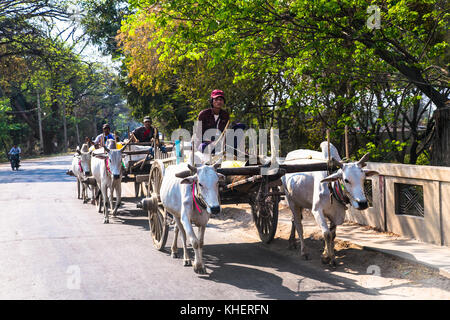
265,216
156,213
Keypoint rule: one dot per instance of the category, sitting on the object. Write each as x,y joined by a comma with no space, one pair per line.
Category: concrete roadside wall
430,187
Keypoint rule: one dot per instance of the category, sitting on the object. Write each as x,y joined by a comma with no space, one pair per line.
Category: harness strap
337,192
108,169
194,197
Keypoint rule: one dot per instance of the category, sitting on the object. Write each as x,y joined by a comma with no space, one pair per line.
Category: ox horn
362,162
106,148
337,163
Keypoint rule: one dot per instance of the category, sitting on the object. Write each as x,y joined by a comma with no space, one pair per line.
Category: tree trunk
440,150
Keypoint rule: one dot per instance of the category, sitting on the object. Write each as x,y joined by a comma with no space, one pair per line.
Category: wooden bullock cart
261,191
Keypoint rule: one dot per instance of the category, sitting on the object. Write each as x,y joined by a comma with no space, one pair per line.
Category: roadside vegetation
381,68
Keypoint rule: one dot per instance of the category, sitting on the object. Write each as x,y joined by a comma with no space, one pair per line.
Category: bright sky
90,52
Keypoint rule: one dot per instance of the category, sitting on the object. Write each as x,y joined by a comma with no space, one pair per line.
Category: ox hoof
174,255
187,263
325,259
106,221
305,256
200,270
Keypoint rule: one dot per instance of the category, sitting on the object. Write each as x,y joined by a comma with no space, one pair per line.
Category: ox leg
78,188
292,244
198,263
333,230
186,260
174,248
201,231
297,225
118,189
100,200
96,195
111,199
333,236
84,192
297,215
105,204
328,251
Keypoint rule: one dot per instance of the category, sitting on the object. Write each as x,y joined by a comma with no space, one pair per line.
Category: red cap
217,93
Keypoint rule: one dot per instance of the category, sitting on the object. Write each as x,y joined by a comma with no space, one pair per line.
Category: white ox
182,184
311,190
81,169
107,171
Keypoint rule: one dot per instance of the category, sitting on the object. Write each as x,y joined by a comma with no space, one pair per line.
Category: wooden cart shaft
289,168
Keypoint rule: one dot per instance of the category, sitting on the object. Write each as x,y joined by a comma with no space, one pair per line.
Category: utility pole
41,138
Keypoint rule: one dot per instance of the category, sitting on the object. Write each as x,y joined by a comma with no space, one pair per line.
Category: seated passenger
101,138
216,117
147,133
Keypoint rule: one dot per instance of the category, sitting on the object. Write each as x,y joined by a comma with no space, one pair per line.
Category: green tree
309,42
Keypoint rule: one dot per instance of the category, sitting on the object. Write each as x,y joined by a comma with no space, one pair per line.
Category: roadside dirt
389,276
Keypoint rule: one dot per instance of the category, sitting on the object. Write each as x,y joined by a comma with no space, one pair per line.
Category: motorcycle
15,161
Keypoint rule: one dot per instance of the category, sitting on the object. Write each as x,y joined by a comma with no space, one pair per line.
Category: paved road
54,247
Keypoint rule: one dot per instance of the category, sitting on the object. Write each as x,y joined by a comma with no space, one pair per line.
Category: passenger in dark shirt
214,117
145,133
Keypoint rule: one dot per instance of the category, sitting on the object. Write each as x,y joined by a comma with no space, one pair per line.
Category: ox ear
78,151
221,177
189,180
332,177
369,173
183,174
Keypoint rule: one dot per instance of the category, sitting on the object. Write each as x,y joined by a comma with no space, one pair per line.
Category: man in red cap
214,117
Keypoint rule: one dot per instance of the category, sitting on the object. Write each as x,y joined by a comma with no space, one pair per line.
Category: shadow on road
128,214
35,175
242,265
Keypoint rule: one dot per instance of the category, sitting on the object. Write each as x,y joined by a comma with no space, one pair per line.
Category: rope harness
197,198
108,169
339,192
